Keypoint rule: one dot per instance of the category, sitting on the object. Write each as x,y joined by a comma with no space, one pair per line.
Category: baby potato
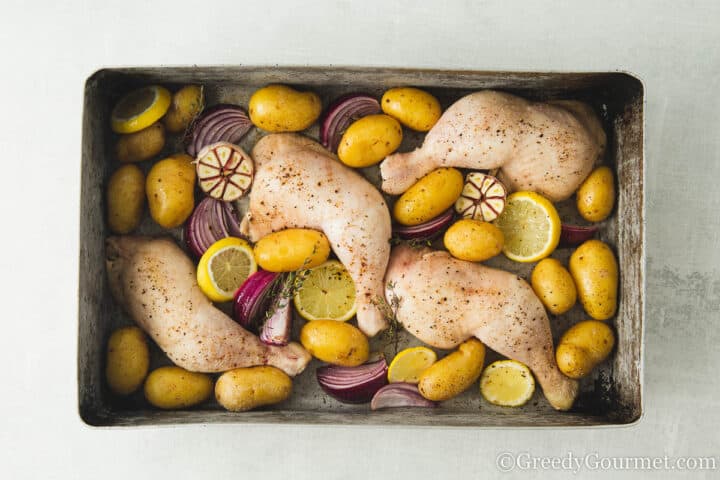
473,240
452,375
125,199
554,286
170,189
278,108
186,104
369,140
128,359
414,108
292,249
335,342
583,347
595,271
142,145
247,388
172,388
596,196
429,197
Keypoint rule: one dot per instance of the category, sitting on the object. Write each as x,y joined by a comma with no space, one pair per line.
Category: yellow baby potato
335,342
369,140
170,189
186,104
125,199
142,145
243,389
414,108
453,374
128,359
429,197
554,286
583,347
171,388
595,271
473,240
596,196
292,249
278,108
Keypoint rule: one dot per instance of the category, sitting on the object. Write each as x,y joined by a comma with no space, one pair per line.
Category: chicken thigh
444,301
154,281
548,148
299,184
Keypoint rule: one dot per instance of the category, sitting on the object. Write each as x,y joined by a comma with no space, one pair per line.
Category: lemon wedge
224,267
507,383
409,364
327,293
531,227
140,108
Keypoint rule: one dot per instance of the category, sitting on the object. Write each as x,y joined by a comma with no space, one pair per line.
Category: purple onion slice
344,111
400,395
427,230
220,123
574,235
353,384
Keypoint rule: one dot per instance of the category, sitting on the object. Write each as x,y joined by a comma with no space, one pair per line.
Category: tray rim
326,419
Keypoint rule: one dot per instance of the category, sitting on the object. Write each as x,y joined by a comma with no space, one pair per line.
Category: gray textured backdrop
50,48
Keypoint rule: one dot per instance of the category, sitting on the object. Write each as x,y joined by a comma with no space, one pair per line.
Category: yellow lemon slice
507,383
224,267
531,227
327,293
408,365
140,108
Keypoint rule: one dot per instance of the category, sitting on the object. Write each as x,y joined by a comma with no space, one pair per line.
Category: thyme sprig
391,335
288,284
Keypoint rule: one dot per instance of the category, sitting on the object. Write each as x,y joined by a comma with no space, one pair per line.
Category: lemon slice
507,383
531,227
139,109
327,293
408,365
224,267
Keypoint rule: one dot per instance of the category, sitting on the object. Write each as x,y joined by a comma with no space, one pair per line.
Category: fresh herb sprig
389,310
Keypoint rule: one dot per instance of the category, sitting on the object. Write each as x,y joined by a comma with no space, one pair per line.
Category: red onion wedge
427,230
574,235
252,299
220,123
399,395
212,220
277,327
353,384
341,114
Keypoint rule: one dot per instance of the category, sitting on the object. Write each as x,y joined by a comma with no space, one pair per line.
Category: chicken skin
299,184
444,301
549,148
154,281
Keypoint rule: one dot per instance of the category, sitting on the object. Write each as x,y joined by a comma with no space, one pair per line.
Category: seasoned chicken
444,301
548,148
299,184
154,281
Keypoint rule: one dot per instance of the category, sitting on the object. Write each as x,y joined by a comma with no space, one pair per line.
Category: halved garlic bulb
482,198
225,171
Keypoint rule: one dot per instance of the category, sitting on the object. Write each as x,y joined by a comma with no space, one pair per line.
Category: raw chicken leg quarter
445,301
549,148
154,281
299,184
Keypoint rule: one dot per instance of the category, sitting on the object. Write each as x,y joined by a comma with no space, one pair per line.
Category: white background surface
49,48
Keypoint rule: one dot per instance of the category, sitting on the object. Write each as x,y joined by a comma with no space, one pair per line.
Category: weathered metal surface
613,395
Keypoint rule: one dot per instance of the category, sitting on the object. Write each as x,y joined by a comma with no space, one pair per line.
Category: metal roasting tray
611,396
